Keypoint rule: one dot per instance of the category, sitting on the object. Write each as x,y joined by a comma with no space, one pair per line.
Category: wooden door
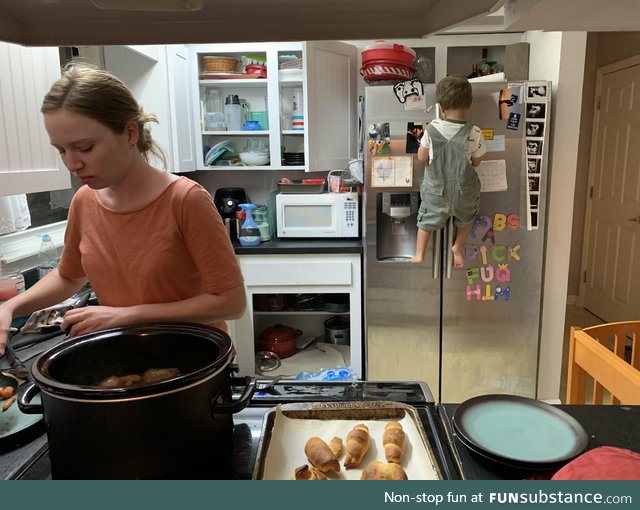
612,244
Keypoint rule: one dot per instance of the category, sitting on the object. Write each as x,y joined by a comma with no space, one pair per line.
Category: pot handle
237,405
27,391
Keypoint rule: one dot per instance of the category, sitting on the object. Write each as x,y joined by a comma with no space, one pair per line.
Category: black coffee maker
227,200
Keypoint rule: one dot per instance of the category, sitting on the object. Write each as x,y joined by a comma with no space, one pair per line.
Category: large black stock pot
180,427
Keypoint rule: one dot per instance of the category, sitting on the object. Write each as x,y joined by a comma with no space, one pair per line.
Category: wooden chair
597,356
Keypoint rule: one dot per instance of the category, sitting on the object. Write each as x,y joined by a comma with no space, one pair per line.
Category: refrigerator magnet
392,172
537,91
508,102
514,121
534,147
536,110
535,128
534,165
415,132
379,139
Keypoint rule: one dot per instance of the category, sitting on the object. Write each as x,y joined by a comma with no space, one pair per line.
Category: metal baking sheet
300,188
287,428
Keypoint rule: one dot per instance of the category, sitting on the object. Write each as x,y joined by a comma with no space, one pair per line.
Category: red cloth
603,463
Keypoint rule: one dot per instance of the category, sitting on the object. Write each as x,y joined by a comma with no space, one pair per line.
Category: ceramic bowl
254,158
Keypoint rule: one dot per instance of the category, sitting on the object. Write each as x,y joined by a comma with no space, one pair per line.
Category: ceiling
572,15
97,22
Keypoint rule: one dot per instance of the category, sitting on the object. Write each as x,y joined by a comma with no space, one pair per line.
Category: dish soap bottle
249,232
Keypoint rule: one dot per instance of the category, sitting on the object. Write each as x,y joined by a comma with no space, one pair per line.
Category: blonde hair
98,94
454,93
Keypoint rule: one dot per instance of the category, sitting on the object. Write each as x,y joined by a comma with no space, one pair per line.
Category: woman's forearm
50,290
203,308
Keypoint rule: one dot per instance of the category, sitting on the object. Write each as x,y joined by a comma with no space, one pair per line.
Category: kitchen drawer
284,272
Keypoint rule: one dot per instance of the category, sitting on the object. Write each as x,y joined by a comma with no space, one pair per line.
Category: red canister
389,52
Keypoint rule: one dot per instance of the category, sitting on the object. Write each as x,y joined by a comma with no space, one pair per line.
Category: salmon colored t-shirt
173,248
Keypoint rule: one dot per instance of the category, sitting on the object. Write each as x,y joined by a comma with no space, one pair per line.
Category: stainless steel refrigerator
465,331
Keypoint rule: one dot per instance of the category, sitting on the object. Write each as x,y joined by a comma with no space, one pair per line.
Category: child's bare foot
458,257
418,259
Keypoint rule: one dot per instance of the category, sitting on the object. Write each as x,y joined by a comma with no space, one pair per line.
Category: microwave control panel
350,228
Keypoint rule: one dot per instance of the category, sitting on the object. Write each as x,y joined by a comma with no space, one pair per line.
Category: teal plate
519,431
13,420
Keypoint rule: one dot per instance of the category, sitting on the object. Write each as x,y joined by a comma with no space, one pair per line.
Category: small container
297,123
214,121
252,125
262,118
336,331
11,284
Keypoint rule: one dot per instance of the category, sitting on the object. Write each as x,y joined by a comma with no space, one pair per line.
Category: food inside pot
152,375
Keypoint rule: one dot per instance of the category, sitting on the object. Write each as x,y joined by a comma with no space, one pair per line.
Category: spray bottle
249,231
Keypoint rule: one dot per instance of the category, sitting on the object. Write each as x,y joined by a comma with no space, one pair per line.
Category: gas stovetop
248,423
280,392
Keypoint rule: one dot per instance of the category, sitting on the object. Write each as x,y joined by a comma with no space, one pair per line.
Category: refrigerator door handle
450,231
437,248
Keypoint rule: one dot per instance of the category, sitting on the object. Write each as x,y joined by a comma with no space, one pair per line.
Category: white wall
560,57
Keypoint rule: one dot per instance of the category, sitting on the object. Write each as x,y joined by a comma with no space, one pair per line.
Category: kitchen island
28,458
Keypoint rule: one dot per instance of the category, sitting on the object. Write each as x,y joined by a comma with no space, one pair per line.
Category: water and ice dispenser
396,229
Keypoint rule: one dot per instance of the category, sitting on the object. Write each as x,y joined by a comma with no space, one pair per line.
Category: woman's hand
93,318
5,322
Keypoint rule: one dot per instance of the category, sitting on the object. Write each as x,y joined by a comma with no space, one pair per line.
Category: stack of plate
294,158
519,432
217,151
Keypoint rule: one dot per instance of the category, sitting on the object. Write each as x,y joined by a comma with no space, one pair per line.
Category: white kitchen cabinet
28,163
158,76
328,80
295,275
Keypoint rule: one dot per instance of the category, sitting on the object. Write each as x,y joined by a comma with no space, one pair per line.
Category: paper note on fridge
492,175
392,171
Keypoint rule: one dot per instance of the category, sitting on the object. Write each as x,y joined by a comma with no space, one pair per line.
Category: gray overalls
451,186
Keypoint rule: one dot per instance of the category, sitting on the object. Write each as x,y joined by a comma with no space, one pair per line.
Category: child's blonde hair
454,93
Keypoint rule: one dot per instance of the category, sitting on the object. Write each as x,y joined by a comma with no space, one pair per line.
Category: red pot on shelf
279,339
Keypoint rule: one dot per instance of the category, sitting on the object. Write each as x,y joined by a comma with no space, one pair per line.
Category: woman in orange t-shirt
151,244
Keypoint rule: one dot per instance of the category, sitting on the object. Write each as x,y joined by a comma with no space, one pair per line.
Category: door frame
601,71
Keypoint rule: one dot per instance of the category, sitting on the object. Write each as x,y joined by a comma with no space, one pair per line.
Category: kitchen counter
301,246
606,425
31,461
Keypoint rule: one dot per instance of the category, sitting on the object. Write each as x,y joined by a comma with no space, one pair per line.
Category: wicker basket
220,64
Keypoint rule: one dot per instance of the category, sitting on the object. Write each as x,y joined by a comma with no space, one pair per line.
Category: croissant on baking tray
335,445
307,472
377,470
358,441
393,439
320,455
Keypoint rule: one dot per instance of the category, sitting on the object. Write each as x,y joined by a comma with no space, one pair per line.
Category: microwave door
309,220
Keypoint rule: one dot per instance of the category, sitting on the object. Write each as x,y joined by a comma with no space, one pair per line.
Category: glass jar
11,284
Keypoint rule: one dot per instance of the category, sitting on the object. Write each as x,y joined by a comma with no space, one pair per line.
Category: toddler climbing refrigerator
465,331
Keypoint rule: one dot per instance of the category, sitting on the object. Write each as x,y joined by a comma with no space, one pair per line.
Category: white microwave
317,214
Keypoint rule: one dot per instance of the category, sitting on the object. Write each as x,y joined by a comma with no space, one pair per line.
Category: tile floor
576,316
